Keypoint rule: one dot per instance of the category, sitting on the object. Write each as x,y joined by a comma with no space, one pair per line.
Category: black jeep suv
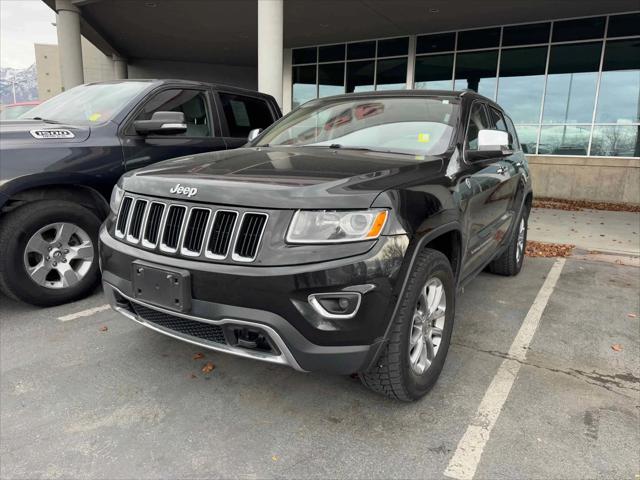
334,241
60,161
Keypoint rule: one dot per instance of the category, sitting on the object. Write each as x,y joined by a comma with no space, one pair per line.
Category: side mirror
162,123
491,143
253,134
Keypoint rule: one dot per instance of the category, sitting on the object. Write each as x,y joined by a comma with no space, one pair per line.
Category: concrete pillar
119,67
270,44
69,44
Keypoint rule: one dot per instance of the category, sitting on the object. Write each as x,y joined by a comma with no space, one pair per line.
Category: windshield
14,111
411,125
87,104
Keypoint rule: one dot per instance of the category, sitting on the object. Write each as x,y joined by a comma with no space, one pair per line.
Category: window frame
224,124
127,129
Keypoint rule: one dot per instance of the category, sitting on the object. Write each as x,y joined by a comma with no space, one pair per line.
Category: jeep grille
197,231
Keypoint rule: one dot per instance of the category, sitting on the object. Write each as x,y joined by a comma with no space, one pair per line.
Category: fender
379,344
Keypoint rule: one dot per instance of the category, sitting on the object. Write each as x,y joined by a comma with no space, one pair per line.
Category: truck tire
509,263
420,335
49,252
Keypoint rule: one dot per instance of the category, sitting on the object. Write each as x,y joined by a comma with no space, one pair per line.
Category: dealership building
567,72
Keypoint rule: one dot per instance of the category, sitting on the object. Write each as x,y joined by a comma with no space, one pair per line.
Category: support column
69,44
119,67
270,44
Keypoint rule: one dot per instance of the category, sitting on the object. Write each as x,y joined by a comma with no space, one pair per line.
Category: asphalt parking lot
79,400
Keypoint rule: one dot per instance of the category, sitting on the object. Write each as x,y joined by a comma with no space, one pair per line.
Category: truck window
477,121
497,119
243,114
190,102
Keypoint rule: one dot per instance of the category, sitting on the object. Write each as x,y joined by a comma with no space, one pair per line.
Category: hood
282,177
21,132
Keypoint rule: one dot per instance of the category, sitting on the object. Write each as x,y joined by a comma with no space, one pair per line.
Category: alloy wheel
58,255
522,228
427,325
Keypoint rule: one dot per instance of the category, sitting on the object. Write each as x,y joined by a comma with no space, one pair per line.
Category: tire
394,374
510,262
27,237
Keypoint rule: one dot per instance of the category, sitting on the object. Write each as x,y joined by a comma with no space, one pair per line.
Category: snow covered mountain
26,84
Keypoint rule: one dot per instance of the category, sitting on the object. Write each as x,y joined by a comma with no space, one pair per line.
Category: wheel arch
83,195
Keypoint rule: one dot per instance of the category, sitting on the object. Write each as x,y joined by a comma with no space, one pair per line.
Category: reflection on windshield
87,104
417,126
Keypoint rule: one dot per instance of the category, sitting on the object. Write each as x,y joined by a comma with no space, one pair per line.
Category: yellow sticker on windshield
424,137
94,117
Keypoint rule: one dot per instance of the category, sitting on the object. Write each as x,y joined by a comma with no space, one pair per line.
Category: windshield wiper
45,120
365,149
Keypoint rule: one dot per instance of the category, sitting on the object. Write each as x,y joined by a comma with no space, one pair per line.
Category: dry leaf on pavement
104,328
208,367
616,347
631,315
197,356
543,249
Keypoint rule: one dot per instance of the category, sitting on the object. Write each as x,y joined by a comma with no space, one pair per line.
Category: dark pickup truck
336,241
60,161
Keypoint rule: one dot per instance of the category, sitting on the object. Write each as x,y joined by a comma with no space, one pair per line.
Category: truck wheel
420,333
511,260
49,252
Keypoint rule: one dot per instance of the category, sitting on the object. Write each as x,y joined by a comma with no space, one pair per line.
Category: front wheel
49,252
420,333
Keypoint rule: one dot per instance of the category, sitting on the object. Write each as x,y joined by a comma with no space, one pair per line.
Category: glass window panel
619,98
434,72
624,25
526,34
497,120
622,55
393,47
571,83
581,29
477,71
304,84
564,140
391,74
528,136
477,121
330,79
360,76
305,55
484,38
361,50
331,53
441,42
616,140
522,82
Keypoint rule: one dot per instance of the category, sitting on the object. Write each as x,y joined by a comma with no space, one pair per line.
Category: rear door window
244,113
193,103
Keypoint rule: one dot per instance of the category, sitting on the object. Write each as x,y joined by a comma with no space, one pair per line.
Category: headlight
325,226
116,198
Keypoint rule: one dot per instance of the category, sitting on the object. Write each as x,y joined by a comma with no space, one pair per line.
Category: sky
23,23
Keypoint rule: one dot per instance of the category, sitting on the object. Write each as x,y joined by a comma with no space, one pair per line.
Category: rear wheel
511,260
50,252
420,334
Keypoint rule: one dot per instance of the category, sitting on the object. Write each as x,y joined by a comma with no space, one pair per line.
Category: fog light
339,305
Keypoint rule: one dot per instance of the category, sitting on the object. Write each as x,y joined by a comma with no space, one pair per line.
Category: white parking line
467,456
83,313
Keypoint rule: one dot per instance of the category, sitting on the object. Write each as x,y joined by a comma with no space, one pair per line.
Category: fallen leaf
208,367
274,458
631,315
104,328
578,205
543,249
193,375
616,347
197,356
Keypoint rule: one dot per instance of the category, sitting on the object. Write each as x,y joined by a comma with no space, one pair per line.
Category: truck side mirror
253,134
162,123
491,144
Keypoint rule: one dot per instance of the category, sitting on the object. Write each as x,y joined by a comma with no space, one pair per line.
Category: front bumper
273,300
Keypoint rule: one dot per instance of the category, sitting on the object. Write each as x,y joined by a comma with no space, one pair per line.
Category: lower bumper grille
205,331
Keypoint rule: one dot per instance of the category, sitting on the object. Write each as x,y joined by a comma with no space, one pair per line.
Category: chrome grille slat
191,230
152,225
221,233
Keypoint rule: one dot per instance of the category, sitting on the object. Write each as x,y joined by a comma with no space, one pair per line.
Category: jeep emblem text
180,190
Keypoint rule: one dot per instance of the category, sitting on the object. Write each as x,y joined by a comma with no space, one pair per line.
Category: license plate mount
162,286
